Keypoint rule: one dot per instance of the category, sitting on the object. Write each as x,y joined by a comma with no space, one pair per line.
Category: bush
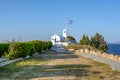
73,46
23,49
78,47
12,53
3,48
44,45
18,49
37,46
32,50
27,49
49,44
71,39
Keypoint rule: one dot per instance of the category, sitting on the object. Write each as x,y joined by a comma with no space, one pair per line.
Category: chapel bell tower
65,33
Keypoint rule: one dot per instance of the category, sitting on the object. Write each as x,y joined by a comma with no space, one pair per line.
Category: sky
40,19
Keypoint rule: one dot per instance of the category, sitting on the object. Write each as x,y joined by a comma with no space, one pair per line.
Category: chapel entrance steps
60,49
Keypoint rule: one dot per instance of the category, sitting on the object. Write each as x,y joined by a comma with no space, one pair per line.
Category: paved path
6,62
2,59
114,64
59,48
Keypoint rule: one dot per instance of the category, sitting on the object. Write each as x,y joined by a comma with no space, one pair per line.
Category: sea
114,49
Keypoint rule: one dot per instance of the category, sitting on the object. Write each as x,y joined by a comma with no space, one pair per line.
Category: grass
52,65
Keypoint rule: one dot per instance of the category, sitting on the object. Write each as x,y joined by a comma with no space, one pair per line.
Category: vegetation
3,48
99,42
37,46
71,39
96,41
85,40
15,50
78,47
18,49
56,66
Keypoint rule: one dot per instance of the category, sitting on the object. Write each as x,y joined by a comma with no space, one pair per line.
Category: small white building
58,39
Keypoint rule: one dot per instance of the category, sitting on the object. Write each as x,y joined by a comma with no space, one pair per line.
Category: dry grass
58,66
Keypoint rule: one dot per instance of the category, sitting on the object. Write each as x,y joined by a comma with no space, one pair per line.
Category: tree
85,40
71,39
98,42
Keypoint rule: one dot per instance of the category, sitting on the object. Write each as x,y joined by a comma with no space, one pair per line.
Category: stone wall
97,53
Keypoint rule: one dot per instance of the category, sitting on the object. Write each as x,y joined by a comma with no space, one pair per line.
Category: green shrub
49,44
73,46
18,49
23,49
12,53
44,45
37,46
26,49
3,48
32,49
78,47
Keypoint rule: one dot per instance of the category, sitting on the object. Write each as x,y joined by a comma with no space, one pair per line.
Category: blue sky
40,19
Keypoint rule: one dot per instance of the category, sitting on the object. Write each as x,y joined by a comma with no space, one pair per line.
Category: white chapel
58,39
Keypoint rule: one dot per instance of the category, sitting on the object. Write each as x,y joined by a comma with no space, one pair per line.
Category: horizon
40,19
